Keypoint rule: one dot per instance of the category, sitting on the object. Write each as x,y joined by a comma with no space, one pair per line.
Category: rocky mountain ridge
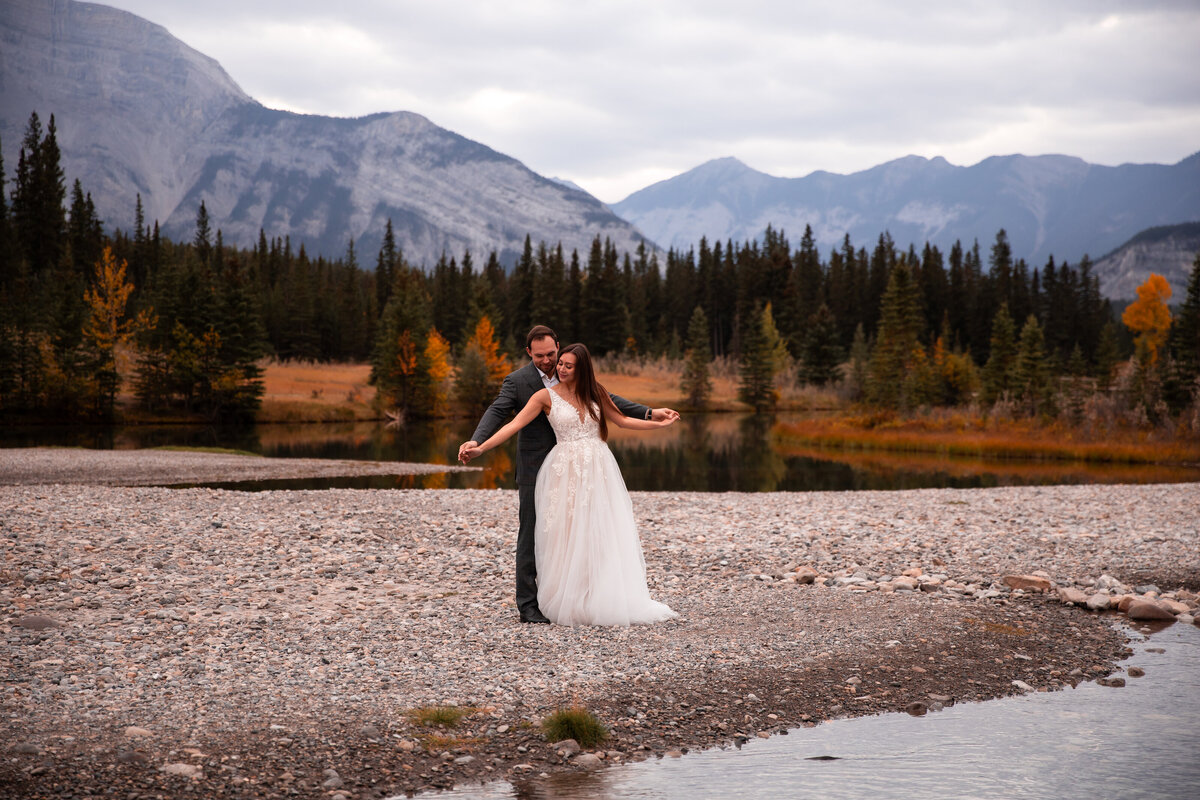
1051,204
138,111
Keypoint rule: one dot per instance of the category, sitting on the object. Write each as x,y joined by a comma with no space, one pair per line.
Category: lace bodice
567,425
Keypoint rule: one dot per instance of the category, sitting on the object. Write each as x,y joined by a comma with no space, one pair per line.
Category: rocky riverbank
208,643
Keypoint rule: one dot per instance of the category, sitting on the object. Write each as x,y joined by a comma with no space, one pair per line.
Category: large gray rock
1143,608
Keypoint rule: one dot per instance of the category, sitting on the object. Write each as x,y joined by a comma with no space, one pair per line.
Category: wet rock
916,709
1174,606
567,747
1115,683
587,760
1034,583
1136,672
1144,608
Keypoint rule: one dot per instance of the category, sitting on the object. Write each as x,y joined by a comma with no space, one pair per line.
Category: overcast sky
616,95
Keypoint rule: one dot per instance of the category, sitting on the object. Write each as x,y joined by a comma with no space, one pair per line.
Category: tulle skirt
590,568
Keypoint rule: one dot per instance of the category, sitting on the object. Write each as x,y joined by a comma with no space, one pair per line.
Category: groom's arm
503,407
639,411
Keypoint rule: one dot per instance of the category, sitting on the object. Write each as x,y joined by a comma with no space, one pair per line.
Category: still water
1140,741
702,453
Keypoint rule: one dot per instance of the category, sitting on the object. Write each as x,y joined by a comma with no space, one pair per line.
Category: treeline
900,328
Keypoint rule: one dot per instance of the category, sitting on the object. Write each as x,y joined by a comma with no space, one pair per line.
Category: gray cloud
615,95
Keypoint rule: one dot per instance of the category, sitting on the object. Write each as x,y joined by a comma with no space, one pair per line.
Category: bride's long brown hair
587,389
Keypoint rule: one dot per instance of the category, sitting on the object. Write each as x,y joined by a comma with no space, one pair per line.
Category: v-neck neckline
581,414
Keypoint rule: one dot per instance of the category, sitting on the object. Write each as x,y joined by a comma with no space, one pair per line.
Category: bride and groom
579,561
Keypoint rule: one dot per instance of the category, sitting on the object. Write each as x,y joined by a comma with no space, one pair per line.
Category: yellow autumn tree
107,325
437,357
1149,317
481,369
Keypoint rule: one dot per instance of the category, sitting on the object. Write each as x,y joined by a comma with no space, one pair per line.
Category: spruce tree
758,363
999,373
696,384
1031,374
898,347
821,354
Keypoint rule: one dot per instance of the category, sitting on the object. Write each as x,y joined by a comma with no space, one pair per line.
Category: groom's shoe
534,615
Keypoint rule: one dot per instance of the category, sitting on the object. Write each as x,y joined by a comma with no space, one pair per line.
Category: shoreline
253,642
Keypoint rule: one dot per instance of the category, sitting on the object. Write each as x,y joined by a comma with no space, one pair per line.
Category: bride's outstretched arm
614,416
538,404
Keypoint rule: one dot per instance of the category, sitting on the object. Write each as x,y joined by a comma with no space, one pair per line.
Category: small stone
502,729
905,584
1143,608
944,699
764,735
587,760
1136,672
1098,602
1174,606
567,747
916,709
1023,686
134,732
26,748
1027,582
184,770
38,622
1115,683
371,732
407,745
674,754
464,760
805,575
132,757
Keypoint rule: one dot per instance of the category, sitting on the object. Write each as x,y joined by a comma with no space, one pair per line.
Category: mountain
1169,250
138,111
1048,204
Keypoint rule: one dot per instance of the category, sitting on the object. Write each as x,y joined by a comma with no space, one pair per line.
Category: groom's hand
463,456
664,414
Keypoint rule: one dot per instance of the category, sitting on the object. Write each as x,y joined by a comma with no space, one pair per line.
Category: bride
589,560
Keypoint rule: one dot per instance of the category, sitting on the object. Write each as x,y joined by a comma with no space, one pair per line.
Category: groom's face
544,352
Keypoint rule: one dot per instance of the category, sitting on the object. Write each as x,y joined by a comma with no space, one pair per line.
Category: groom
533,444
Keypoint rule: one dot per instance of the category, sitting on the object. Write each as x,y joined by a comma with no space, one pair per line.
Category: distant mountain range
139,111
1048,204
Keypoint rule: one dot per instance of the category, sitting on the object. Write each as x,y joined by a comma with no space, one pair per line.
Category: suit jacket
535,439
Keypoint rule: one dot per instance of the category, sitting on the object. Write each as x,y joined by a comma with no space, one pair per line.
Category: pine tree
1031,374
999,373
897,349
1185,333
696,384
821,354
758,363
1108,354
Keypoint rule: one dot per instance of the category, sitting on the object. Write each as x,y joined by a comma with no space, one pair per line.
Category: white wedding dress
590,569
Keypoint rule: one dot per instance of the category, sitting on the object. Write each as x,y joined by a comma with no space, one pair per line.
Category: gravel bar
41,465
200,642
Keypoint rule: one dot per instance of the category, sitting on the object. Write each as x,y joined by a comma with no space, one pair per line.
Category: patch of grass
443,716
225,451
574,723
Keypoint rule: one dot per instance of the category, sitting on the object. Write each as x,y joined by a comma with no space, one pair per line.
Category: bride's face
566,368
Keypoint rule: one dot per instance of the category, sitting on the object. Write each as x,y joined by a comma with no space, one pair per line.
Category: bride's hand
467,453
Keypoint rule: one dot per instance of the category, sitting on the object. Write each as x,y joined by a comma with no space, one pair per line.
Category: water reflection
1134,742
703,453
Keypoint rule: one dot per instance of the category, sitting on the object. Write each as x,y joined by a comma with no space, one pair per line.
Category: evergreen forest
85,310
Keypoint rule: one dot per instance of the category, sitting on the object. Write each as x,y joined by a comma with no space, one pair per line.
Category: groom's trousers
526,559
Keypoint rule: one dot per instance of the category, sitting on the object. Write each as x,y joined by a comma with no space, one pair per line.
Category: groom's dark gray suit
533,443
